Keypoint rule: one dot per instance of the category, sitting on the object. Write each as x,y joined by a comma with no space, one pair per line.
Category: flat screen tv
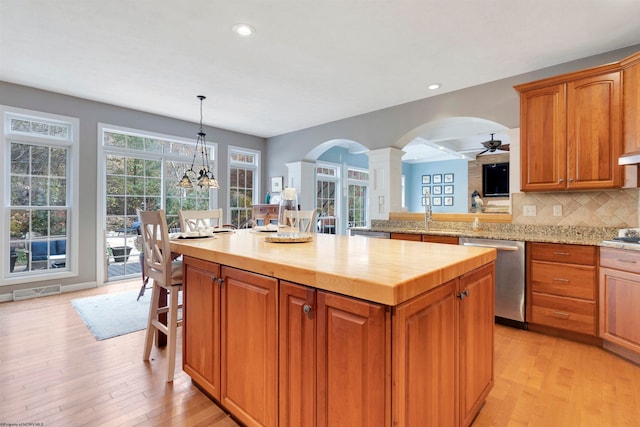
495,180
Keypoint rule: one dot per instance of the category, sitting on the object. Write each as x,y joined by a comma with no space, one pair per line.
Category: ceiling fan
493,145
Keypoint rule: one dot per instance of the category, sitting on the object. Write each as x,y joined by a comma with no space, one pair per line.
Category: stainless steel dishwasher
510,280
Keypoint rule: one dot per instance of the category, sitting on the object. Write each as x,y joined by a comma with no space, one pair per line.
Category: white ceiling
309,62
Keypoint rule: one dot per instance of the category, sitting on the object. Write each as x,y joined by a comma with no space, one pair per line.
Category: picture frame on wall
437,178
448,201
425,190
426,179
277,183
437,189
448,178
437,201
448,189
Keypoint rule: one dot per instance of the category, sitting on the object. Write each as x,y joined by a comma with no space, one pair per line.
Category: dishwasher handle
490,246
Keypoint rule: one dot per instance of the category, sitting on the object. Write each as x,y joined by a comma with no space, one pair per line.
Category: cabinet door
594,129
476,340
619,313
201,323
297,359
249,347
424,354
353,363
631,108
543,139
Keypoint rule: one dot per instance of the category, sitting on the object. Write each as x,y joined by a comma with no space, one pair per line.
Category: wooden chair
166,274
306,221
194,220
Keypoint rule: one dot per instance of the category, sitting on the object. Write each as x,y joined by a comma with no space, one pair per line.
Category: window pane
20,156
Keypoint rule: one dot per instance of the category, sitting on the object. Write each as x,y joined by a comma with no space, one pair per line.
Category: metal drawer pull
557,279
562,253
561,314
628,261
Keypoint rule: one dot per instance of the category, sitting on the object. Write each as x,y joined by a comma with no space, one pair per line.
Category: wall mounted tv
495,180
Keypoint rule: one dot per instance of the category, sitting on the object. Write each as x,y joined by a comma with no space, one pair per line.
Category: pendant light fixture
205,177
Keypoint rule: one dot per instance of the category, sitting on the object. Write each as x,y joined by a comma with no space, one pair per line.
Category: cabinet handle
570,179
562,253
215,278
561,180
557,279
560,314
307,308
463,294
628,261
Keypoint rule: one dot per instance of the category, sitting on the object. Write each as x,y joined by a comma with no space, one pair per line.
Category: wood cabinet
443,352
333,359
571,131
430,238
561,286
201,324
619,301
631,104
231,338
265,214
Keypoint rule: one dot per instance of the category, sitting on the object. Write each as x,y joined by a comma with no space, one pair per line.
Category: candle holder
288,218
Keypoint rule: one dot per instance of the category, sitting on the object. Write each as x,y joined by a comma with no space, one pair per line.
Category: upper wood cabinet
631,103
571,129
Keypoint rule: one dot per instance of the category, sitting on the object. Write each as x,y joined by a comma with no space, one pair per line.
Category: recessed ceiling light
434,86
244,30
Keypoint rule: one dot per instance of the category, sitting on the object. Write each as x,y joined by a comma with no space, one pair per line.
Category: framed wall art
448,201
426,179
448,178
437,178
437,201
448,189
277,182
437,189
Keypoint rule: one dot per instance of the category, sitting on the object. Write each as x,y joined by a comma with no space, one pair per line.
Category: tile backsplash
610,208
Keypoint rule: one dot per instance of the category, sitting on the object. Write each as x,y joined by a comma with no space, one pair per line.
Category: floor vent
36,292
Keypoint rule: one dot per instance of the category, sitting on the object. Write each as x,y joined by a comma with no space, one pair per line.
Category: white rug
112,315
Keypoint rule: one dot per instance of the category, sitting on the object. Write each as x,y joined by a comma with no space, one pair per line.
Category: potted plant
120,253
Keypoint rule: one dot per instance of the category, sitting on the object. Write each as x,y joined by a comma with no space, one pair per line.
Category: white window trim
338,211
354,181
7,112
256,173
148,155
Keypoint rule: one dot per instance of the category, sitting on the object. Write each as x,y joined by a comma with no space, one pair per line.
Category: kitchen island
339,330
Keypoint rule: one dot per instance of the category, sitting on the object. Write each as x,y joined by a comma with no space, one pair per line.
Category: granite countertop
529,233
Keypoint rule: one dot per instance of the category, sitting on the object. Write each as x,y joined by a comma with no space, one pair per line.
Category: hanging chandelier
204,178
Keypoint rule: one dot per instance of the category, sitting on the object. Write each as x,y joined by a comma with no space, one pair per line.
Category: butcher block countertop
378,270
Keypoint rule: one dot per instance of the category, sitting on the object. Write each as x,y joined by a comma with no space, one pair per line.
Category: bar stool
167,276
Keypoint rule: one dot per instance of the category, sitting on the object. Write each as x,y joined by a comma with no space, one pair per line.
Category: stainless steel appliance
510,280
369,233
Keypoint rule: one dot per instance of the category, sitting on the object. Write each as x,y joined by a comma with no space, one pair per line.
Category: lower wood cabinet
275,353
561,284
429,238
620,301
230,338
333,359
443,352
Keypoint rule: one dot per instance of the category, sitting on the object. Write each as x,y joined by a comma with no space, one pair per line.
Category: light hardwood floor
53,371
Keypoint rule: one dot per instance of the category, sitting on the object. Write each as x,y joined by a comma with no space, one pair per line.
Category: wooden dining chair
166,274
194,220
306,220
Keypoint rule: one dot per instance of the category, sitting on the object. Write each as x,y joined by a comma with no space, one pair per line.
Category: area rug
112,315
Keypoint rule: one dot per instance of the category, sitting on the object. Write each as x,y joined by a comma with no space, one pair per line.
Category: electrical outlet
557,210
529,210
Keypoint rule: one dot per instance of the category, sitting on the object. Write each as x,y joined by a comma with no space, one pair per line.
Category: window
141,171
357,181
327,180
40,205
243,189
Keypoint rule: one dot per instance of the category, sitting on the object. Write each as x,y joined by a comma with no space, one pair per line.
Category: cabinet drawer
565,313
577,281
620,259
450,240
572,254
407,236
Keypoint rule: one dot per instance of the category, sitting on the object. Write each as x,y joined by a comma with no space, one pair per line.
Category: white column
301,175
385,182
